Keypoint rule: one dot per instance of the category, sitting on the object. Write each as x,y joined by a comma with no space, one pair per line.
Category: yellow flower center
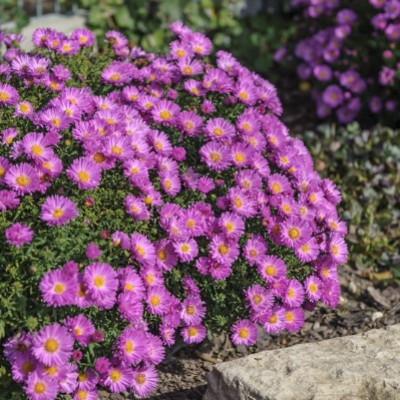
218,131
39,388
238,202
229,227
192,331
140,378
162,254
289,316
240,157
253,253
188,70
2,171
335,249
165,115
313,288
82,377
270,270
159,145
246,126
257,298
191,310
82,395
56,122
9,140
180,53
286,209
191,223
273,319
167,184
313,197
185,248
37,150
223,249
284,160
155,300
189,125
115,375
333,225
291,293
59,288
4,96
215,157
99,281
116,150
78,331
134,170
58,212
198,49
305,248
83,176
27,367
294,233
129,287
276,187
51,370
23,180
115,77
98,158
51,345
140,250
129,347
243,333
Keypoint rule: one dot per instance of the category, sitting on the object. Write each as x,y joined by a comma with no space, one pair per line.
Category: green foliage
365,164
252,39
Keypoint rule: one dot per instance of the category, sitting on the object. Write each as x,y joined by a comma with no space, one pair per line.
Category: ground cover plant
147,198
347,53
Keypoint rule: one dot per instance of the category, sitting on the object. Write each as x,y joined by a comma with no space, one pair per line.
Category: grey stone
360,367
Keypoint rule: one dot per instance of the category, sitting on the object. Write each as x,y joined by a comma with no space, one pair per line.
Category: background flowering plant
347,51
139,192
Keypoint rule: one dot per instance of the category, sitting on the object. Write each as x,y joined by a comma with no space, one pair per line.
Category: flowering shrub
139,192
349,56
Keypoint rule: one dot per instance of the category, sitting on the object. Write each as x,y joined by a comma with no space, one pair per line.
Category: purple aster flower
81,329
40,387
193,333
193,310
58,288
145,380
332,96
293,319
18,234
244,332
58,210
22,178
85,173
131,346
53,345
101,283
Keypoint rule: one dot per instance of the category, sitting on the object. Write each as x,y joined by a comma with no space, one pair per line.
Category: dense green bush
366,165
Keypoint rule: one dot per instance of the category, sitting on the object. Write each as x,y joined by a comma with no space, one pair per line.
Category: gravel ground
364,305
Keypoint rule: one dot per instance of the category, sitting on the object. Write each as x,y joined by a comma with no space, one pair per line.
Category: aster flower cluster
349,56
214,192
